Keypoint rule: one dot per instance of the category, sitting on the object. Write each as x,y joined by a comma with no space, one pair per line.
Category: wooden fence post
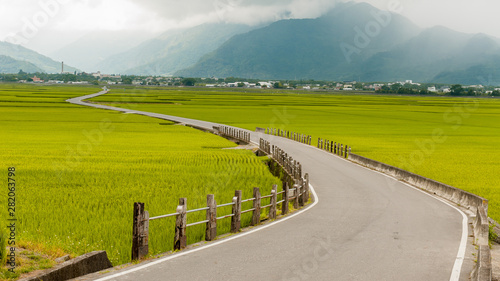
236,218
305,195
345,152
284,205
274,199
211,228
331,147
140,233
318,142
296,196
341,150
256,206
180,239
293,166
301,192
335,148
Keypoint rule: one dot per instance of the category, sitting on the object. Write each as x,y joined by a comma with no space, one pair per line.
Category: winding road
363,225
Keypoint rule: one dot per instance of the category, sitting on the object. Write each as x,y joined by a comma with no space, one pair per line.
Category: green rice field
452,140
79,170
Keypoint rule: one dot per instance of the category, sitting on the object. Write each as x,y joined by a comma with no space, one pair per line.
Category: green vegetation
79,170
492,235
26,261
3,247
451,140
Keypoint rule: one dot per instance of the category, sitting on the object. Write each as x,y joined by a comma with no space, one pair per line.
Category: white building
266,84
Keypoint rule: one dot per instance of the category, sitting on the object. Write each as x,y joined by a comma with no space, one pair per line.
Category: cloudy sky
43,25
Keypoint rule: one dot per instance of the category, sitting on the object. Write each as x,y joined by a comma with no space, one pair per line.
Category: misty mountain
487,73
10,65
90,50
432,53
354,41
322,48
172,51
23,57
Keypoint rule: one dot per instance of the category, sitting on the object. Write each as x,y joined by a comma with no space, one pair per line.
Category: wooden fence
335,148
327,145
298,194
234,133
302,138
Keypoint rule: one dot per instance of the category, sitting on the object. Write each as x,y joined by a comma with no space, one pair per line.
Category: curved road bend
365,226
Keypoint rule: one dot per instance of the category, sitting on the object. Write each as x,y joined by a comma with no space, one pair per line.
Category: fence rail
302,138
298,195
327,145
334,147
234,133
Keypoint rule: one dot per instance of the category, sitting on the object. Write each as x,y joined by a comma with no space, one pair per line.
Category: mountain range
92,49
353,41
172,51
15,57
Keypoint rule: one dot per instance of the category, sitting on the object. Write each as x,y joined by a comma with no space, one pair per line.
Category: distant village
99,78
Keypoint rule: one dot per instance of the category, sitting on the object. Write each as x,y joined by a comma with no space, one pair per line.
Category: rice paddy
79,170
452,140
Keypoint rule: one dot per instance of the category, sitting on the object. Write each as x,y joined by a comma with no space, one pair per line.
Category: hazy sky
43,25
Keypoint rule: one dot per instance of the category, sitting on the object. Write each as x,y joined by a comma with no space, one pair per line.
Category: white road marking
457,267
455,271
316,200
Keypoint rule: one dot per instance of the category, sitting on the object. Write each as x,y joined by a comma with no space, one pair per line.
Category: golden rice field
452,140
79,171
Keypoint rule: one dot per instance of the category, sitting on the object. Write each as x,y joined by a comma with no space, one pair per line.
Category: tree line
455,90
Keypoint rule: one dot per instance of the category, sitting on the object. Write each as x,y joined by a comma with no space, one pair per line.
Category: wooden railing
298,195
327,145
302,138
335,148
234,133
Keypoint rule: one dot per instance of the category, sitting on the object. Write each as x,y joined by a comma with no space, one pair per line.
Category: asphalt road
363,226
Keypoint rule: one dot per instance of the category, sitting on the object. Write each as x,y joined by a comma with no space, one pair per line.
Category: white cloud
38,18
462,15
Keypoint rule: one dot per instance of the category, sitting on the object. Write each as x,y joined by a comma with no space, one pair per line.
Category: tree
241,85
127,81
188,82
496,93
395,87
457,90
